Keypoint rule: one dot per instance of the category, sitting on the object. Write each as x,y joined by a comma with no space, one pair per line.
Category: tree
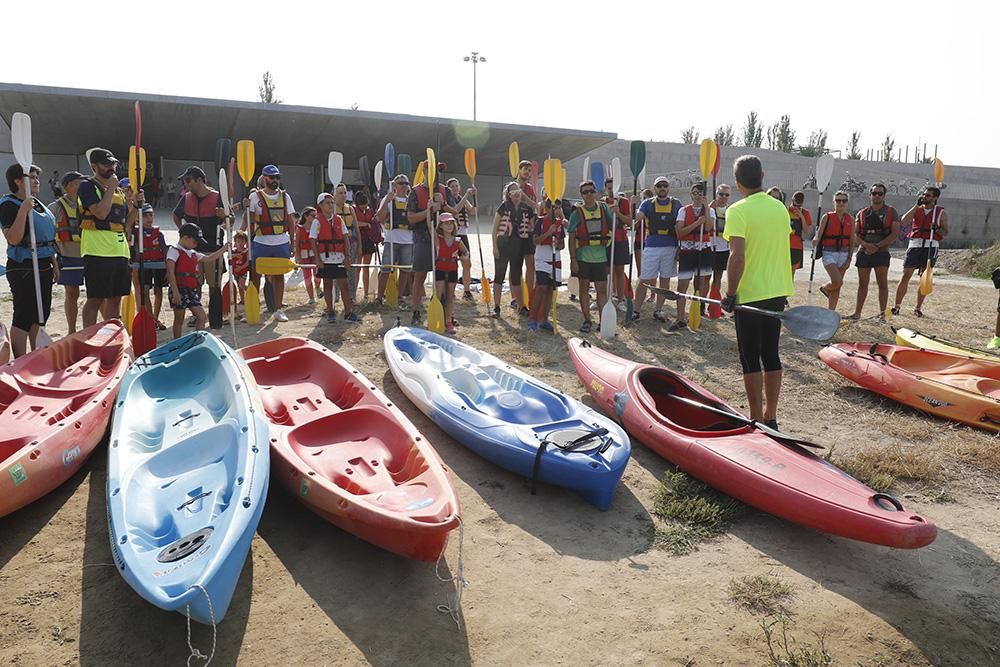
888,148
689,136
265,90
753,131
816,145
724,135
854,146
784,135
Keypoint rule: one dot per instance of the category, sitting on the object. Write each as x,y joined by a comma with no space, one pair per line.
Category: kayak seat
661,385
463,383
412,348
308,387
70,366
508,397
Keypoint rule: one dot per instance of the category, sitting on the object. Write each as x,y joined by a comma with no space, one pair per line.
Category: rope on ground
454,609
195,653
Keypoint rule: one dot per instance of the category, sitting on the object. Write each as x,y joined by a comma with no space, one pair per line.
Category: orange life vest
272,220
837,232
924,221
331,234
153,248
68,223
584,237
688,216
302,240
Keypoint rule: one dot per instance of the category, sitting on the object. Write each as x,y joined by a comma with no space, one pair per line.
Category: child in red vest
304,253
154,274
332,243
182,274
549,235
449,251
241,261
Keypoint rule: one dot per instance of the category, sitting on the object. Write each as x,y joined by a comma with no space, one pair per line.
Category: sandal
824,291
895,310
853,317
918,312
677,326
586,326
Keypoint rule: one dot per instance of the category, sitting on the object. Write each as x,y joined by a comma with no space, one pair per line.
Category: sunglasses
840,201
724,194
588,192
661,186
878,193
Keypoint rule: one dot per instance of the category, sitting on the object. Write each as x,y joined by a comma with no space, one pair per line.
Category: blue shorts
283,250
190,298
75,275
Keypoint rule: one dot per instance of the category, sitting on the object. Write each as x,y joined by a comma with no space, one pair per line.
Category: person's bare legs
90,309
602,295
882,278
772,391
585,299
71,306
833,287
682,286
753,383
864,277
904,283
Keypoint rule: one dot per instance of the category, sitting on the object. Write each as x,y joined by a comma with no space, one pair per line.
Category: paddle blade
224,191
714,309
273,266
435,315
560,181
389,160
230,173
609,321
597,175
586,168
513,158
20,131
227,300
252,304
366,172
214,308
927,280
642,179
335,167
379,166
824,172
694,315
484,285
938,171
431,169
637,157
392,290
812,322
297,278
524,292
534,175
138,124
470,163
549,174
616,174
404,164
419,177
246,163
143,333
128,310
133,167
706,158
718,160
223,152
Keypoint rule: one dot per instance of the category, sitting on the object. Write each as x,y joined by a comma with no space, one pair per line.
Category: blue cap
270,170
124,183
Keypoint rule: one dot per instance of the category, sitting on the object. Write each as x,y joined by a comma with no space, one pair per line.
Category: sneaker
622,307
468,296
677,326
593,305
659,316
994,344
524,312
586,326
415,320
331,317
160,326
496,312
635,315
532,325
572,297
353,317
311,302
319,294
513,303
547,326
895,310
280,316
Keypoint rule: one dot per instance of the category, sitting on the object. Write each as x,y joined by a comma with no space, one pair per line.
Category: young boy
241,262
182,274
332,246
549,239
154,274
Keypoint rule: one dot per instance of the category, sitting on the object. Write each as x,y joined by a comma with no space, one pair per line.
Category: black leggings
515,259
758,336
21,277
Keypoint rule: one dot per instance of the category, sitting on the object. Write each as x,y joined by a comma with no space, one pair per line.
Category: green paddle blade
637,157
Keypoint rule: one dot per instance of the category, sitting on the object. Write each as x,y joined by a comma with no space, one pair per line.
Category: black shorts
720,261
543,279
332,272
21,277
527,247
154,278
622,255
596,273
758,336
445,276
107,277
866,261
367,247
692,262
796,257
916,258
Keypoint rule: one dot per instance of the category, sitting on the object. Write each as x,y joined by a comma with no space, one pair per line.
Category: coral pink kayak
348,453
55,404
662,409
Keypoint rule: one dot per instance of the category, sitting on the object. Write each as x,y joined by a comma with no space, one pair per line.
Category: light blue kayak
187,475
506,416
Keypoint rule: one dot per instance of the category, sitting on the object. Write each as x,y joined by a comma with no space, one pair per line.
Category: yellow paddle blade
432,169
706,157
694,315
392,291
252,304
136,167
128,310
435,315
470,163
513,157
245,161
524,292
273,266
484,284
938,171
927,280
418,178
560,181
549,174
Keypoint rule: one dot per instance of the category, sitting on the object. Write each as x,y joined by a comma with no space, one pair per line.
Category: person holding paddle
182,262
836,236
463,204
422,208
154,256
589,235
332,241
364,216
508,246
398,249
695,228
202,206
18,210
720,246
449,251
658,216
304,253
623,222
928,224
801,223
759,274
271,214
66,211
875,230
345,210
549,238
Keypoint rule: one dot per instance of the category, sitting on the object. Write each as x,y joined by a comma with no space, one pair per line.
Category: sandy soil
551,579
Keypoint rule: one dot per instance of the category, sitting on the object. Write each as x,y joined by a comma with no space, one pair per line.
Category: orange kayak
55,404
348,453
945,385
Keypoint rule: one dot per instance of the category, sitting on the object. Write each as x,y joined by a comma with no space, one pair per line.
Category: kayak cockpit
657,385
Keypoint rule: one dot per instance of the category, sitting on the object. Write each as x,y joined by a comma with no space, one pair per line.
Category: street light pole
475,58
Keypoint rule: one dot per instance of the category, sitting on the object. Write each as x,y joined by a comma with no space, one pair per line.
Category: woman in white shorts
835,237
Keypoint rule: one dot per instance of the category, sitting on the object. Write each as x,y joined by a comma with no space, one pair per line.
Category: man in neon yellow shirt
589,235
759,274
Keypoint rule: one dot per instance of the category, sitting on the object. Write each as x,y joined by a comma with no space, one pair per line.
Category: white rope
454,610
195,653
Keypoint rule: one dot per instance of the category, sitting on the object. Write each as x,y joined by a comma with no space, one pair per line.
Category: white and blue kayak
187,475
508,417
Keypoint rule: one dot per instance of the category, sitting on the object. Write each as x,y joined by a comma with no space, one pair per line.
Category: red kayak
737,458
348,453
55,404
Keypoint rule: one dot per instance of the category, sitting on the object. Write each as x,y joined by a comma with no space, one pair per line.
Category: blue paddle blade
389,160
597,175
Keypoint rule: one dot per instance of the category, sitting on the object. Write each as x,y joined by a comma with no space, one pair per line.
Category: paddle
824,172
586,168
484,282
609,316
375,198
715,311
812,322
706,161
404,164
534,176
246,165
229,294
636,163
143,326
926,285
226,204
554,178
20,129
216,304
777,435
513,158
597,174
418,176
435,311
389,162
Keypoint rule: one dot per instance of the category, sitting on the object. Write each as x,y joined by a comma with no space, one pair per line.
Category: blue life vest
45,234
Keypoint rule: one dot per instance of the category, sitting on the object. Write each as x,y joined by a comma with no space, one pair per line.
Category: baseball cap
69,177
99,155
192,230
193,172
445,217
270,170
661,179
524,163
148,208
125,183
322,196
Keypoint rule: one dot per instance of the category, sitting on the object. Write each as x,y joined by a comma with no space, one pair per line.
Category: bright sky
920,70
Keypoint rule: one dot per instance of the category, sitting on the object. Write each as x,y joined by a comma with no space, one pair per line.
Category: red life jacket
924,222
837,232
800,222
423,199
869,230
447,255
272,220
186,269
687,216
548,223
153,248
331,234
197,210
588,238
372,232
302,240
621,205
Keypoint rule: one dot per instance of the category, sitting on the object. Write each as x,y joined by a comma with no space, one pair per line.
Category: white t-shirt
720,244
174,252
695,244
400,236
328,257
256,208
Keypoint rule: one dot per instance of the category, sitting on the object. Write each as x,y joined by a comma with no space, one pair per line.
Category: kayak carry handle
879,497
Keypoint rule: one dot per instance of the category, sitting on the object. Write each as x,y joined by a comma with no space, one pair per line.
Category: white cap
322,196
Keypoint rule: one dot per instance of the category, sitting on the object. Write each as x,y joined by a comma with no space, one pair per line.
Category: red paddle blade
138,127
226,297
714,309
143,332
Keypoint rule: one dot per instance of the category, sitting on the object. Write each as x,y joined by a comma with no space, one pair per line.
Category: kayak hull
506,416
348,454
911,338
187,475
54,410
738,460
949,386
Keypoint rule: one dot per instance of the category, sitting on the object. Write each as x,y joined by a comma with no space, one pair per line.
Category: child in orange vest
549,235
449,251
182,274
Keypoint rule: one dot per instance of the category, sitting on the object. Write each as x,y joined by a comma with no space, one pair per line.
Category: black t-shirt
211,226
90,197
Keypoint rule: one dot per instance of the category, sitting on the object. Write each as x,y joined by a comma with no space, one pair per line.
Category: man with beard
929,225
589,235
876,229
271,213
202,206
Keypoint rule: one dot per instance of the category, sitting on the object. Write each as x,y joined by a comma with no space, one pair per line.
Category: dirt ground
552,580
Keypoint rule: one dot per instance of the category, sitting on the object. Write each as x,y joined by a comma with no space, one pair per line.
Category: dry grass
786,651
983,454
881,467
761,594
691,512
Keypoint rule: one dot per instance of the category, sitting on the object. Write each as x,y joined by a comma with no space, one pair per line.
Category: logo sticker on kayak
17,474
935,402
70,455
621,400
597,386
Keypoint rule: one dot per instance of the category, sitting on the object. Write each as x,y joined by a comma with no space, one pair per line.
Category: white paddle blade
616,174
586,169
335,167
824,172
609,320
378,176
20,131
224,192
